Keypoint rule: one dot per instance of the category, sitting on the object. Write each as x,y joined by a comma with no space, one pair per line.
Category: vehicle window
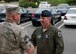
73,11
22,10
44,3
63,5
53,11
2,8
41,9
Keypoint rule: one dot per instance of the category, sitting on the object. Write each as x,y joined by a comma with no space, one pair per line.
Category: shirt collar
46,29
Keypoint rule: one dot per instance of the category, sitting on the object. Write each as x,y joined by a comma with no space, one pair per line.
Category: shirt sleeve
26,43
59,44
2,44
33,38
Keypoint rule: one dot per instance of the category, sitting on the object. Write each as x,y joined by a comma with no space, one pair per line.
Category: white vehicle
2,7
44,4
70,17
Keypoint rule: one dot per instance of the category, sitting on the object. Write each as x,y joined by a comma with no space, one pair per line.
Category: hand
30,50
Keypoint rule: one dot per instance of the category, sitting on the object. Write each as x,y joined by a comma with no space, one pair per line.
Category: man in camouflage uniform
47,38
12,36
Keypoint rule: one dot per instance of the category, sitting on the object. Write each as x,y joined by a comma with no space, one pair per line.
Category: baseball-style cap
12,9
46,13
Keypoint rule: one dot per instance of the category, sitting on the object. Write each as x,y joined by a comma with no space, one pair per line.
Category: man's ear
49,18
15,17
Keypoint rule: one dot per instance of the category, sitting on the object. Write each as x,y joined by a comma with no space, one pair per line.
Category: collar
46,29
10,22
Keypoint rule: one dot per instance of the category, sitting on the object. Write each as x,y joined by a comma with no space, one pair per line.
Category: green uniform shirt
48,42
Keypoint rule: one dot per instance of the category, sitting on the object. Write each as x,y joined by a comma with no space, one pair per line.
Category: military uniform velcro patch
59,34
39,36
46,36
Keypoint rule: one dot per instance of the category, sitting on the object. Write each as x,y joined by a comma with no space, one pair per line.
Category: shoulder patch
59,34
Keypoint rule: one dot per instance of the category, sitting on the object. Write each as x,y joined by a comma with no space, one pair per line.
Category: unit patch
59,34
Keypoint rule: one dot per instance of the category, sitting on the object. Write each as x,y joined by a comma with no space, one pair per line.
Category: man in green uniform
47,38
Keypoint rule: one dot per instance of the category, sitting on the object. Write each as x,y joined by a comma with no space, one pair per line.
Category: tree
73,2
10,0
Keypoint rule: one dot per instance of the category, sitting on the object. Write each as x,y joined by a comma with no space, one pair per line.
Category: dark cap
46,13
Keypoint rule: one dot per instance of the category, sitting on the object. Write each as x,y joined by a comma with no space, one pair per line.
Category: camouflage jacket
12,39
48,42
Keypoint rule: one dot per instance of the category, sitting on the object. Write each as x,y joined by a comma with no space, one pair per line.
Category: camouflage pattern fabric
12,39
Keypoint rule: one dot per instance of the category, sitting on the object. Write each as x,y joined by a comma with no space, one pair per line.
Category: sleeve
26,43
33,38
2,44
59,44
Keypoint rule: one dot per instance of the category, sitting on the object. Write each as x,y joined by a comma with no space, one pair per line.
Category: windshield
22,10
41,9
53,10
72,11
63,5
